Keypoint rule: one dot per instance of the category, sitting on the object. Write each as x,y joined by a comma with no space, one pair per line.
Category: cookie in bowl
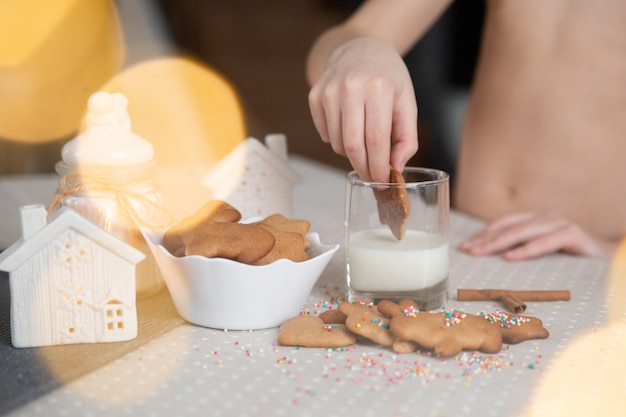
221,274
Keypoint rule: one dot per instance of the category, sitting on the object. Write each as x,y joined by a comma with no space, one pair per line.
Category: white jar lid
108,139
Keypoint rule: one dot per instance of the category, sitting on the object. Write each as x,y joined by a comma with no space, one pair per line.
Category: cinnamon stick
513,303
465,294
512,299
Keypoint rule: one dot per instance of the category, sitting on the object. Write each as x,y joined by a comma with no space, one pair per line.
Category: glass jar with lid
107,175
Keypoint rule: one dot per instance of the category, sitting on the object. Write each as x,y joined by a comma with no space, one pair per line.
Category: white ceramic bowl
224,294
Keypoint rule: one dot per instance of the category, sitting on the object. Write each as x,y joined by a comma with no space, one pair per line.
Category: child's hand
529,235
364,106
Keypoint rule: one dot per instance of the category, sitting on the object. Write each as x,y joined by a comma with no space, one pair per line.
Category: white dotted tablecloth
199,371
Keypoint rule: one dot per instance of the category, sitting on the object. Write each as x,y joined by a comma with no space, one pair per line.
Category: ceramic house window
114,316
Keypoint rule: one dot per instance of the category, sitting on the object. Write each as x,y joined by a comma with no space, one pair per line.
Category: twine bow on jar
77,183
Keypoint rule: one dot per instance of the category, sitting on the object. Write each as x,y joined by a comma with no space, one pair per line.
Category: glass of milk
381,266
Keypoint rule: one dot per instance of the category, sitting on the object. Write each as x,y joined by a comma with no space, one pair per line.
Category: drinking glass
381,266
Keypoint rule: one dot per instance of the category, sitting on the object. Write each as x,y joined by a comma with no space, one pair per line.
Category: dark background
262,46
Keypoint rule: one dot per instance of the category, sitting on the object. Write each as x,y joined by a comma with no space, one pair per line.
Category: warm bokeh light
193,118
54,54
189,112
588,377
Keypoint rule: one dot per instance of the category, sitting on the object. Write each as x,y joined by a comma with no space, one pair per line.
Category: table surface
193,370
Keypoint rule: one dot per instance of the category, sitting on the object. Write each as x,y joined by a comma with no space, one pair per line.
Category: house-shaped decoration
255,178
70,281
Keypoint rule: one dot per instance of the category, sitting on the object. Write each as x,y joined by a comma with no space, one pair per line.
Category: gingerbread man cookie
446,333
281,223
333,317
290,239
366,321
515,329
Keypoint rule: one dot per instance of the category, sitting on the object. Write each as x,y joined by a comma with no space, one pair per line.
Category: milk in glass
378,262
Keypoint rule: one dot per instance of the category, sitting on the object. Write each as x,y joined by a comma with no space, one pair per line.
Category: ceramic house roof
273,155
35,237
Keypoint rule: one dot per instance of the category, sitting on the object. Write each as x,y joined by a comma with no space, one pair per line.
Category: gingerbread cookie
406,329
281,223
214,231
404,346
394,207
311,331
446,333
245,243
515,329
287,245
290,240
218,211
366,321
333,317
215,211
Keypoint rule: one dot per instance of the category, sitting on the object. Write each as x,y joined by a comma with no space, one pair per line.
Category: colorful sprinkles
504,319
453,317
377,369
385,368
330,327
369,368
410,311
381,323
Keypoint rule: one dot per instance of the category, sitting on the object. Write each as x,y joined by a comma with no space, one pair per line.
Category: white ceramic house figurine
255,178
70,281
